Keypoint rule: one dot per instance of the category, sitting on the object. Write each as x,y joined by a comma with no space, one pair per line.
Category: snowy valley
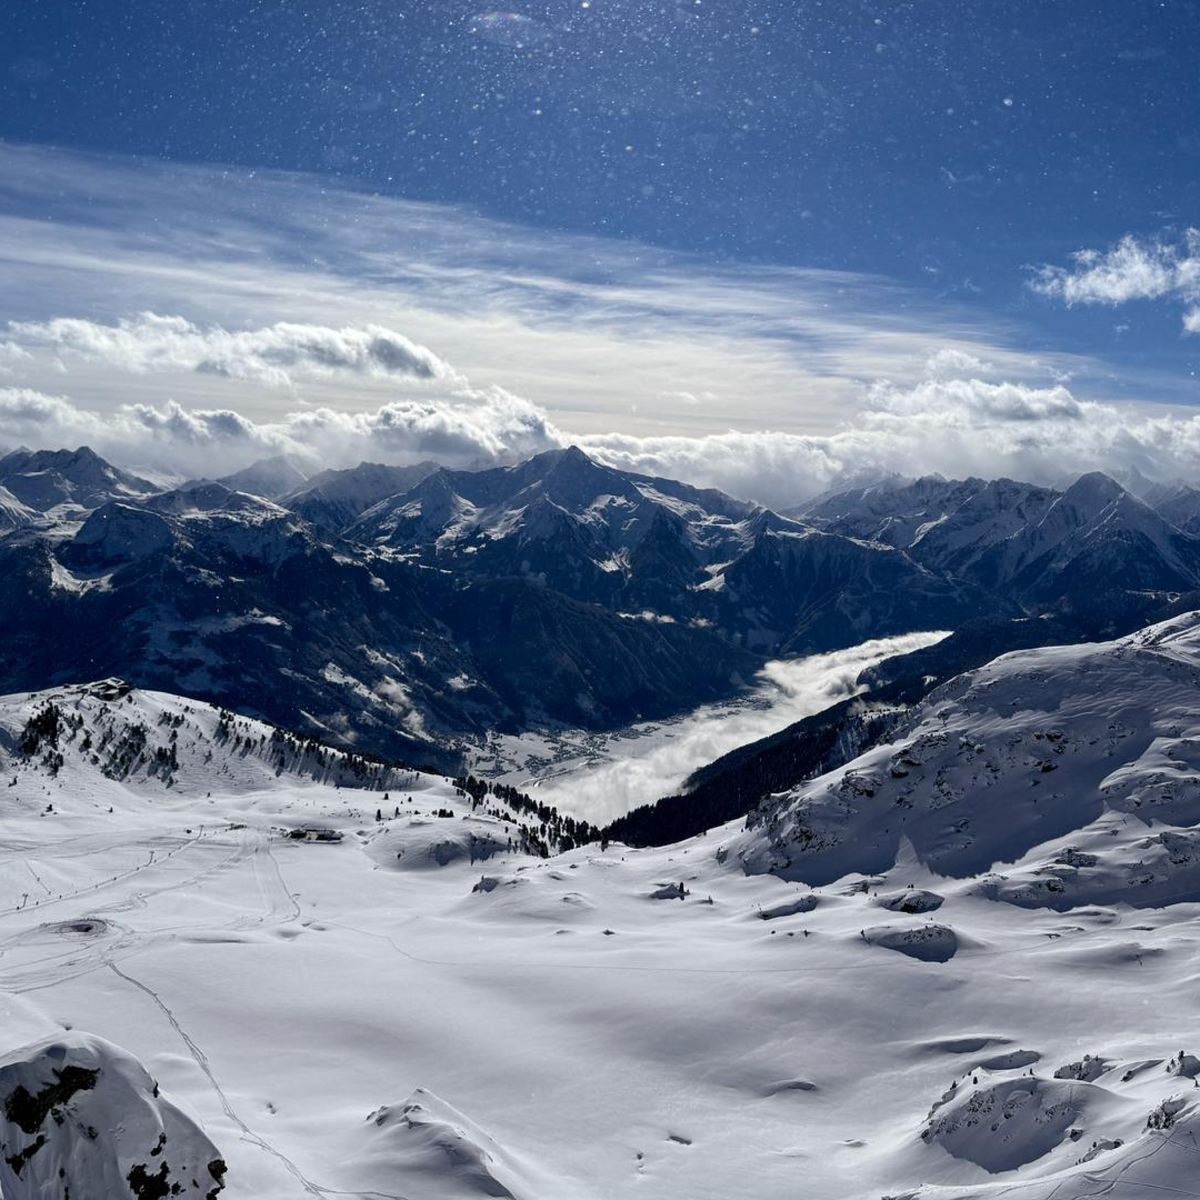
960,965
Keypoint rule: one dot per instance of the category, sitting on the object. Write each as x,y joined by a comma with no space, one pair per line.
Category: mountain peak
43,479
1094,489
271,477
551,460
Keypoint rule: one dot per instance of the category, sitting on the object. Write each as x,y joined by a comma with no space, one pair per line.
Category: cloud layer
256,277
482,430
337,325
954,425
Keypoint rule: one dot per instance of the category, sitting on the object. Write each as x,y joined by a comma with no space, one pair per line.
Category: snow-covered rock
443,1154
1003,1124
80,1117
929,943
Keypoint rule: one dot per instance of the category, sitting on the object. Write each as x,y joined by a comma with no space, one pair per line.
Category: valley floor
578,1030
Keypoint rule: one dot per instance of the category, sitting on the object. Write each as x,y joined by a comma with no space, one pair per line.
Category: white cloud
12,358
954,426
44,420
273,354
1133,269
950,363
603,334
477,429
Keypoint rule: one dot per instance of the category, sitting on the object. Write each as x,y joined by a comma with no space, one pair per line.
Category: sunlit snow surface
601,776
360,1019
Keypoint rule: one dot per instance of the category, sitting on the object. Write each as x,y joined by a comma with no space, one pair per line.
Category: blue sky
646,217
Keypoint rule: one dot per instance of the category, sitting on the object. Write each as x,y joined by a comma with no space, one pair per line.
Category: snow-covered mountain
251,965
642,544
1180,505
238,600
332,500
557,591
268,477
1070,771
66,481
1092,546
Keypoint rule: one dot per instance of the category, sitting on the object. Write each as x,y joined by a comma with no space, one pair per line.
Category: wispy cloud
602,334
1134,269
190,320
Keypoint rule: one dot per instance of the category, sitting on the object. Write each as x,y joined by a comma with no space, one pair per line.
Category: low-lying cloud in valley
657,761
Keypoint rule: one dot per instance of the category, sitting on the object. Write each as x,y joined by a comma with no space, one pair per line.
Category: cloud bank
483,430
951,424
645,769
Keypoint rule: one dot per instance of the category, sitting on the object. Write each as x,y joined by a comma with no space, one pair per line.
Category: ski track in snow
600,1039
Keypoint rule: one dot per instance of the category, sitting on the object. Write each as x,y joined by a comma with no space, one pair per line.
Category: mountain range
404,609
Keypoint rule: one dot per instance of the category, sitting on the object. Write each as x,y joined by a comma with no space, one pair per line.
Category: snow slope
421,1010
1079,765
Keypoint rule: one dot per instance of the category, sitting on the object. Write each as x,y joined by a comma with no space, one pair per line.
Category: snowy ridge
1036,543
154,739
1037,750
63,483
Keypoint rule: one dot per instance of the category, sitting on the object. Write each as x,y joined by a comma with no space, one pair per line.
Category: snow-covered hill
414,1005
1072,770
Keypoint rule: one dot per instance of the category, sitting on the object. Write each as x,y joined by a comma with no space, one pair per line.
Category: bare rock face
80,1117
911,901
